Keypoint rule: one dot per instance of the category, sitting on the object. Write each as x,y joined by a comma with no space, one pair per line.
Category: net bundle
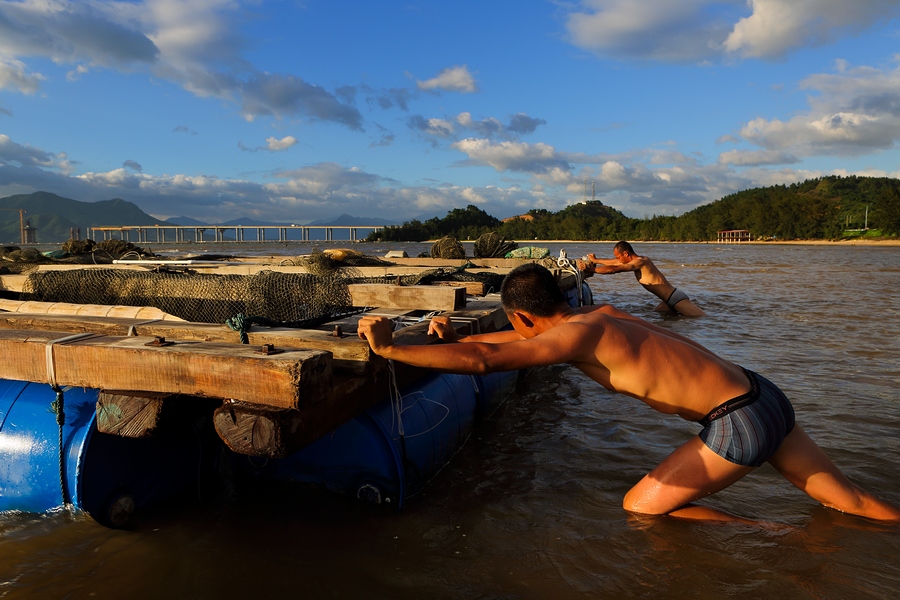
289,299
493,245
448,247
21,260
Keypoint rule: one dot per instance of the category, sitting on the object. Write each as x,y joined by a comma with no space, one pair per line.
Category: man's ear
523,318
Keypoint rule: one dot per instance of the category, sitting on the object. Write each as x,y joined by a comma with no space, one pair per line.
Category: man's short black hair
624,246
531,288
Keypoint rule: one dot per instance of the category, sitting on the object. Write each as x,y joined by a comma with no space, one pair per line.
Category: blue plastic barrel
369,457
107,476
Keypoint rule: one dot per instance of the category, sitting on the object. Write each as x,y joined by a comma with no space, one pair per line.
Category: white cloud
276,145
22,155
852,112
697,30
451,79
193,44
755,158
14,77
651,29
512,156
778,26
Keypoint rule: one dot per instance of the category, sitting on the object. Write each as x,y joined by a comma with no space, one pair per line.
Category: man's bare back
624,354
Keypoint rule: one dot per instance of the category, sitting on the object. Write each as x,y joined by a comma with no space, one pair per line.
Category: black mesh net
269,297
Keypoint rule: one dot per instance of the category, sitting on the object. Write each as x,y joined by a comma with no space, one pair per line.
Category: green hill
55,216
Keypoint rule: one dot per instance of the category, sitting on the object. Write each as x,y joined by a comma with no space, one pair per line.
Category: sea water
531,505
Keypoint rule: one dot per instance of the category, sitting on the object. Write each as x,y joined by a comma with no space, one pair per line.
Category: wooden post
129,414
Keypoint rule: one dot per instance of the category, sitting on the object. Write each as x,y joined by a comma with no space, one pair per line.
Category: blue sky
295,111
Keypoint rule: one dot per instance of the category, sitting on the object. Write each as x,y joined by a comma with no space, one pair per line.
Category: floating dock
314,403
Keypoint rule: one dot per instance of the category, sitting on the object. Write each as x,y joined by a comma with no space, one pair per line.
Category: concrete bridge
160,234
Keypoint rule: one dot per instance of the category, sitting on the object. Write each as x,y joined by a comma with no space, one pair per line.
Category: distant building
733,236
523,217
29,233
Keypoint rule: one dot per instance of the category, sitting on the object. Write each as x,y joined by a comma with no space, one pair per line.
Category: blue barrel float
390,451
107,476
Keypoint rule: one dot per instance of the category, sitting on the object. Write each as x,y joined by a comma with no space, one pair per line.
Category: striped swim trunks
747,430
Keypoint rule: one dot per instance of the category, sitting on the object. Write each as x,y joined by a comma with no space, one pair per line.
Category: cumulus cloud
193,44
273,144
697,30
513,156
451,79
777,26
439,128
651,29
852,112
70,32
276,145
22,155
133,165
756,158
464,124
14,77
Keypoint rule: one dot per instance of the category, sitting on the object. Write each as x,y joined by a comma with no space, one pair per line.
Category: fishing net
21,260
290,299
268,297
493,245
448,247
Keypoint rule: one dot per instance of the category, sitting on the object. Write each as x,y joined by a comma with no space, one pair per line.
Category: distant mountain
186,221
56,217
346,220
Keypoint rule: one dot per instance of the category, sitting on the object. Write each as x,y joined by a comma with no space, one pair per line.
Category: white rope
51,369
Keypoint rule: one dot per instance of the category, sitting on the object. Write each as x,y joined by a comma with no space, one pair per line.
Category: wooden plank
93,310
289,379
408,296
473,288
129,414
351,354
13,283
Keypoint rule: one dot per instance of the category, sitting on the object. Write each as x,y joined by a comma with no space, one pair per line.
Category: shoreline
888,243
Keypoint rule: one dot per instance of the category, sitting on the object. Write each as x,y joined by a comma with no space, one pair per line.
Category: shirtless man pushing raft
647,275
746,419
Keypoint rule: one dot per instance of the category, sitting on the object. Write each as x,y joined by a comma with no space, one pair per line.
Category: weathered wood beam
351,354
408,296
288,379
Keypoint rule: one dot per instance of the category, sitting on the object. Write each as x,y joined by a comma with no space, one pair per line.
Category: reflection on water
531,506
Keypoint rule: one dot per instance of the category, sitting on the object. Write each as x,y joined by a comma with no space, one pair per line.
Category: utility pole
22,212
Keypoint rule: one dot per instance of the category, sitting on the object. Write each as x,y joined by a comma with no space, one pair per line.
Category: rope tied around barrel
58,407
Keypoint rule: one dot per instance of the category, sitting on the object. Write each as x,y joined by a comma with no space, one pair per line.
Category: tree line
831,207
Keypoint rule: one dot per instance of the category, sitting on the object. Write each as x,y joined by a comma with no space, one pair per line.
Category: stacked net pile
289,299
448,247
493,245
80,252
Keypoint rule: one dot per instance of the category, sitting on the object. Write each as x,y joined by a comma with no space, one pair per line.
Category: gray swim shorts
676,297
749,429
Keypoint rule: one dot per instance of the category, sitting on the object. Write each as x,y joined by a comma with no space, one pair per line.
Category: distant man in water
647,275
746,420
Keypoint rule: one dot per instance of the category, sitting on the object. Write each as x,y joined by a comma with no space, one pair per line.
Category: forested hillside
54,216
825,208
